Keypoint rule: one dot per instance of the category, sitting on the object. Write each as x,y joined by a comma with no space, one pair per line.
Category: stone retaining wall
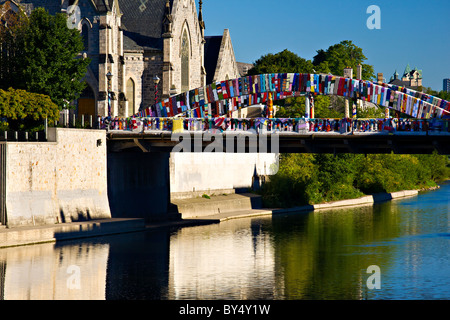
63,180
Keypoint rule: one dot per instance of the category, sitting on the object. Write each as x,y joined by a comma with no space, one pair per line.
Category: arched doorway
86,102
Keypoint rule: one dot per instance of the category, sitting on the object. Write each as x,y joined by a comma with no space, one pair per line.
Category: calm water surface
321,255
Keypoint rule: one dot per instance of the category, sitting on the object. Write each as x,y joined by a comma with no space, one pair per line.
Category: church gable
226,66
186,50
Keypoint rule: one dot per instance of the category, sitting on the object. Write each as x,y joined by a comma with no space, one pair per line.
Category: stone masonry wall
185,18
57,182
142,67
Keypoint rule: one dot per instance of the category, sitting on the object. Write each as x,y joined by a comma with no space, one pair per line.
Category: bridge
200,120
285,136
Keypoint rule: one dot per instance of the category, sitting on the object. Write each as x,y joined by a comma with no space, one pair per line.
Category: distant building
411,78
244,68
446,85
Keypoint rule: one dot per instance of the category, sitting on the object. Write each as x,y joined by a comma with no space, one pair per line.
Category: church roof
142,23
407,70
410,72
212,49
102,5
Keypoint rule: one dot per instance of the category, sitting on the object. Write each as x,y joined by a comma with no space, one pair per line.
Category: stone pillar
347,108
307,107
167,68
102,108
125,108
114,105
348,73
102,105
167,52
359,72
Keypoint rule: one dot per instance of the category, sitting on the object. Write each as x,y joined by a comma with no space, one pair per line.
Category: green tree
294,107
441,94
289,187
12,26
46,57
337,176
282,62
342,55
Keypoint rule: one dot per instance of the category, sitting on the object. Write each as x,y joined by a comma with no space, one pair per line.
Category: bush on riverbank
305,179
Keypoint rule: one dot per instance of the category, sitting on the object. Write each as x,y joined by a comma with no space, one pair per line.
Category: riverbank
366,200
363,201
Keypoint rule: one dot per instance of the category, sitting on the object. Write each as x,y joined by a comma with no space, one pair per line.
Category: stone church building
142,51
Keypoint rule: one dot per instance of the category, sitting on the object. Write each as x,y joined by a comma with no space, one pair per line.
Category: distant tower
396,75
348,73
359,72
380,78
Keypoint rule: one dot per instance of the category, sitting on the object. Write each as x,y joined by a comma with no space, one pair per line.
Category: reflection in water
320,255
129,266
311,256
234,260
138,266
53,272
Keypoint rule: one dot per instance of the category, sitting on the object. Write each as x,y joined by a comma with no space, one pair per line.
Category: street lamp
156,81
109,77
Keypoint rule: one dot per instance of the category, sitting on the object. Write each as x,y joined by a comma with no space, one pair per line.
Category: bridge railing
261,125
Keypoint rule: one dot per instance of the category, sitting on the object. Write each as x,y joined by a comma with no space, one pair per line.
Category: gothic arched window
130,96
85,36
185,50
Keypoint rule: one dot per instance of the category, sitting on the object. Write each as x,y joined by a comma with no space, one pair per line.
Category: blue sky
415,31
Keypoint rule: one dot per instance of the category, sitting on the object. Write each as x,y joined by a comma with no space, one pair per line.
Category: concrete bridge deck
284,142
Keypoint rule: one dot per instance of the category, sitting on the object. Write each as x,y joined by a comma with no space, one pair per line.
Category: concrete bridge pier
139,185
150,185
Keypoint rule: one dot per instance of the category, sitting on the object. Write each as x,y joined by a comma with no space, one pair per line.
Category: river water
317,255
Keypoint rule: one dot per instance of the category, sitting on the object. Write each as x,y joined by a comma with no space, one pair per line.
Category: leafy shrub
312,179
22,110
